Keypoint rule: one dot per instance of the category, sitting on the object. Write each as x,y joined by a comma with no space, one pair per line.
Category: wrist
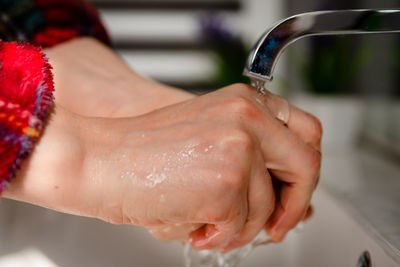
51,175
74,167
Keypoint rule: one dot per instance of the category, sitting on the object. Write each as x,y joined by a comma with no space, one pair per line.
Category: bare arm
92,80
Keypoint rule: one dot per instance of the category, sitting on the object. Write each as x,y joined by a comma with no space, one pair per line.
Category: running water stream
214,258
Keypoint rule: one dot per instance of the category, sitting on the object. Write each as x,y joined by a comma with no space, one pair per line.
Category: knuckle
237,182
316,126
313,159
239,138
228,192
233,182
241,87
243,107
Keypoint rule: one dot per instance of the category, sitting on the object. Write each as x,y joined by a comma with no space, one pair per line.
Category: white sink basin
32,236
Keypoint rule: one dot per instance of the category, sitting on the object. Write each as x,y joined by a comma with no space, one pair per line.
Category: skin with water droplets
203,156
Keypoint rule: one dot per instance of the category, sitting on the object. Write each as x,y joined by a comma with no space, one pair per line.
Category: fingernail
275,235
200,243
208,239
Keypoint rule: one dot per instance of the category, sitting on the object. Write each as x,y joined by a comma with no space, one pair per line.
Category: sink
331,238
34,236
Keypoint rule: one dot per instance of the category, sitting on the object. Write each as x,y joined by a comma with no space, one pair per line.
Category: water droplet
162,198
155,178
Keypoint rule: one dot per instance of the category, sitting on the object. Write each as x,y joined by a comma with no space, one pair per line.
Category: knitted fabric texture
26,86
49,22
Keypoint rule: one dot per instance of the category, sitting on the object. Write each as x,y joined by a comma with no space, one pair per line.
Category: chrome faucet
265,54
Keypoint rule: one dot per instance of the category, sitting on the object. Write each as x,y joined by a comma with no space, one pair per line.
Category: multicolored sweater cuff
49,22
26,95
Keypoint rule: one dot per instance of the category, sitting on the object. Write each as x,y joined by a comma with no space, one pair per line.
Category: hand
203,161
309,130
92,80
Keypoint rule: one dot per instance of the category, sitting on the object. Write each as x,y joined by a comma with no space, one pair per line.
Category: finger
291,209
296,165
290,160
212,236
305,126
261,201
277,105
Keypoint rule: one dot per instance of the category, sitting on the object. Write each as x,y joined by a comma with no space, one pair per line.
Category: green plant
333,64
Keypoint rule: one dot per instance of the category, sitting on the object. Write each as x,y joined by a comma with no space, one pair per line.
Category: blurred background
351,83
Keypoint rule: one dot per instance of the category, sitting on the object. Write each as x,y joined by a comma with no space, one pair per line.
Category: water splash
213,258
260,86
276,104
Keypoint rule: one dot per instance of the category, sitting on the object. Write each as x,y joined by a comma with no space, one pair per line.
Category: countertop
368,185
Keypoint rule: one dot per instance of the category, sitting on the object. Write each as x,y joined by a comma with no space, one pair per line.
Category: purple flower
213,28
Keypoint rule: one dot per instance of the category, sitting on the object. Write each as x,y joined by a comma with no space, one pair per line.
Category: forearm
57,174
92,80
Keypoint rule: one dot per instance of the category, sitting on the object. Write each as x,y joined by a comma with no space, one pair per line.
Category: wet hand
214,152
294,192
206,162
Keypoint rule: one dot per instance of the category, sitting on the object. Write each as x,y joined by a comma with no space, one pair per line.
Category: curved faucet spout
264,55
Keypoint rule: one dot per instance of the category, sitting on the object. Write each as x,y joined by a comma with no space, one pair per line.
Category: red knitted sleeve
26,86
